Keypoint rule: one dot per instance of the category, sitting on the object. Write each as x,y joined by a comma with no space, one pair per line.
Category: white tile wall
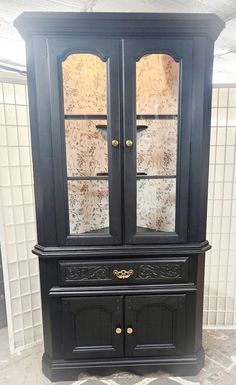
18,233
220,276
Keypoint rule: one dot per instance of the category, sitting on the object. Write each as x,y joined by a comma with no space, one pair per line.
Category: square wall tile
25,156
10,114
20,94
27,320
38,332
4,159
11,253
28,335
34,283
13,271
25,286
36,301
8,216
2,115
30,231
10,236
37,317
22,251
26,176
20,233
12,136
22,118
29,213
231,131
14,157
23,269
232,97
16,306
27,194
17,322
17,197
15,176
19,214
3,134
34,266
18,339
23,134
6,196
221,136
8,93
232,117
26,303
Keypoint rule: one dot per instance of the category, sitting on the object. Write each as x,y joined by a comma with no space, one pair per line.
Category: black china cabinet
120,122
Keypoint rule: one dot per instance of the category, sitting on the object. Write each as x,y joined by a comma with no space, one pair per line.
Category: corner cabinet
120,122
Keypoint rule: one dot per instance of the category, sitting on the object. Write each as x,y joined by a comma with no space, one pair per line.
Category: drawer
161,270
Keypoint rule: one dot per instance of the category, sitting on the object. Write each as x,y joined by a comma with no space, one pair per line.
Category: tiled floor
220,367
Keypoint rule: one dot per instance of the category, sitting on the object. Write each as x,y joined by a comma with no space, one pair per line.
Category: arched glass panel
157,100
85,114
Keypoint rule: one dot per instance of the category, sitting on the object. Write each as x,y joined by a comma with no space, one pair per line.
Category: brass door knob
130,330
129,143
115,143
118,330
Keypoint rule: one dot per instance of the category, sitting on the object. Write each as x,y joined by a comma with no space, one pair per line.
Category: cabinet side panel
200,137
39,106
199,301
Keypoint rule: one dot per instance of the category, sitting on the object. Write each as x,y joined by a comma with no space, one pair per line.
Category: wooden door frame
108,51
133,50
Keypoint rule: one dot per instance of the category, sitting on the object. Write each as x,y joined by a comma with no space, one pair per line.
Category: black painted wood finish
125,299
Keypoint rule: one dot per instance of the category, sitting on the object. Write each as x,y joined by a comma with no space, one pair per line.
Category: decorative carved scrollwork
159,271
81,273
165,271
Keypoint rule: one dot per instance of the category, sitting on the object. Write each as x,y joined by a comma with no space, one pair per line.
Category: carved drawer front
161,270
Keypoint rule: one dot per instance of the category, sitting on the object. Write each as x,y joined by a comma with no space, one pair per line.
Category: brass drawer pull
123,274
129,330
118,330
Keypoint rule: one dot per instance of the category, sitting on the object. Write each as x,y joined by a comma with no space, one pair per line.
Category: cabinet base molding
63,370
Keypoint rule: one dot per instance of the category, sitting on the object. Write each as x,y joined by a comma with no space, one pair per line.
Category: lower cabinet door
92,327
155,324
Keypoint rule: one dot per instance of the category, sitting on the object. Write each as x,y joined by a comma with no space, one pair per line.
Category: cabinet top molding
118,24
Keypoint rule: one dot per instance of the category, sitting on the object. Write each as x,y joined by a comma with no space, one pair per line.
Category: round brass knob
115,143
130,330
129,143
118,330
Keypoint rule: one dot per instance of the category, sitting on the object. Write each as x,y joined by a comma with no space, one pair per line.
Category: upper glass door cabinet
94,205
156,121
89,105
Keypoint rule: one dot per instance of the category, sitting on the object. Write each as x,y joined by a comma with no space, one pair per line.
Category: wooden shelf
105,177
138,117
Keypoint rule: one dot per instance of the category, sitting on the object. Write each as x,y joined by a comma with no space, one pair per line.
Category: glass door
89,113
156,127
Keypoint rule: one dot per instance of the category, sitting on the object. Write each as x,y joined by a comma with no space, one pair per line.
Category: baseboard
65,370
